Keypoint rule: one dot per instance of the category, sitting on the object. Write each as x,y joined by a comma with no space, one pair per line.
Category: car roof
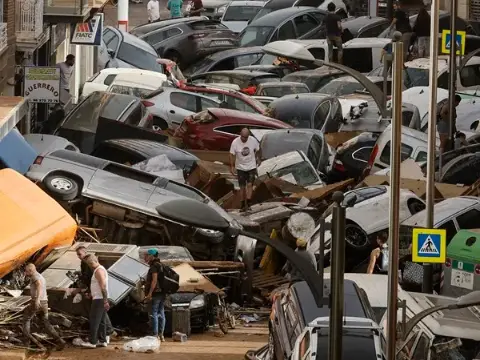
111,103
253,3
150,148
277,17
130,71
366,42
149,80
133,40
235,52
320,72
236,116
281,84
353,306
354,24
280,3
306,99
144,29
443,210
246,73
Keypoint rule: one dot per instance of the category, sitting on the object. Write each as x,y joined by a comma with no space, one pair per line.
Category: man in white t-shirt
244,156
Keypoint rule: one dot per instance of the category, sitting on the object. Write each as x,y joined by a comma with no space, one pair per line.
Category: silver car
170,106
67,175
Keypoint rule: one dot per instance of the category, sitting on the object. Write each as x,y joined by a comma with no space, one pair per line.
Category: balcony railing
66,7
3,36
28,19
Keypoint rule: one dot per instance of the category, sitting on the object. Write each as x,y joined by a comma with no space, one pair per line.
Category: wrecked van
32,223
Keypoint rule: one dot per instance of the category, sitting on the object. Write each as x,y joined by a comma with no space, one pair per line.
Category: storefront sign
89,33
42,84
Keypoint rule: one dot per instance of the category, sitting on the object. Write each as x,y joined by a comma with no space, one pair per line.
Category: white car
103,79
238,14
367,215
138,85
293,167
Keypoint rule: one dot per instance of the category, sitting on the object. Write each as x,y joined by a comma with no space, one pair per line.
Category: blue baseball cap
153,252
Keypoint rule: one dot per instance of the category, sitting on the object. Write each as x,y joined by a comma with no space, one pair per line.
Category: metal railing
28,19
3,36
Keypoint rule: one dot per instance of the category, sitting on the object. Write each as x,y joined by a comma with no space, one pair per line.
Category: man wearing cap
307,256
154,293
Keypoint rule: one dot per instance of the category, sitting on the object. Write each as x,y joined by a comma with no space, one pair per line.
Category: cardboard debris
409,169
191,280
335,139
323,192
442,191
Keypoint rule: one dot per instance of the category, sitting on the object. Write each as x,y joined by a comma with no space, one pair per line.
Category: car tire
159,125
213,237
61,187
355,237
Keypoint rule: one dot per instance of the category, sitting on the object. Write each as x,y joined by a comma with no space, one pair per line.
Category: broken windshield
301,173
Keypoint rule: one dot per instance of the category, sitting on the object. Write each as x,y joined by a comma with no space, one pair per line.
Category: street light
468,300
195,213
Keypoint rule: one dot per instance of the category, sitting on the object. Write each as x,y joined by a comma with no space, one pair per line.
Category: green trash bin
462,267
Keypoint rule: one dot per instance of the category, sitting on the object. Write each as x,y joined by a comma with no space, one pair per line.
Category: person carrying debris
38,306
86,274
292,272
333,24
401,22
244,157
379,255
444,119
100,304
154,293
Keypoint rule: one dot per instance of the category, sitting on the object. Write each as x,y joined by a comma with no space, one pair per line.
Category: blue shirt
175,7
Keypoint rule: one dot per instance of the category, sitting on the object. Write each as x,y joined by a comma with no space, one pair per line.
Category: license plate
462,279
221,43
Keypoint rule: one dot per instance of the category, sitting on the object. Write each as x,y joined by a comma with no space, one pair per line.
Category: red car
216,128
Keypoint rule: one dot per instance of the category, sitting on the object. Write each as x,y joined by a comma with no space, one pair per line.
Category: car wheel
212,236
415,206
61,187
271,347
356,237
159,125
174,56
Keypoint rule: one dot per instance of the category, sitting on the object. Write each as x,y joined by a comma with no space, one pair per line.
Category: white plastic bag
161,166
143,345
77,298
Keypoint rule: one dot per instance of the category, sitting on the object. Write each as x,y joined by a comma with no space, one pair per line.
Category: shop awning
12,110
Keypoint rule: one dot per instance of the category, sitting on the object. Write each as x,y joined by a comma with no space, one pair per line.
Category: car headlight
197,302
221,9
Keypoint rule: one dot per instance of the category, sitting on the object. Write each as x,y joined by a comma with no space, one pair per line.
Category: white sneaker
88,345
102,344
108,339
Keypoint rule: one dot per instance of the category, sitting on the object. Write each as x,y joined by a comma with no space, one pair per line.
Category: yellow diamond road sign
429,245
447,42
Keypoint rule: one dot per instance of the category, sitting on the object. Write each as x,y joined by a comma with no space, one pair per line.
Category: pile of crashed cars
139,138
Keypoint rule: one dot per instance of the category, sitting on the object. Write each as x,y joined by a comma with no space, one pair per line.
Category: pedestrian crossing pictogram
428,247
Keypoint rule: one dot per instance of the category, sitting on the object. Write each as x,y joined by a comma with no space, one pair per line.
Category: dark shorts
245,177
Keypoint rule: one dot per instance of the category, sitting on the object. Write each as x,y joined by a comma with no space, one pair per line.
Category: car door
321,115
304,24
180,105
285,32
111,41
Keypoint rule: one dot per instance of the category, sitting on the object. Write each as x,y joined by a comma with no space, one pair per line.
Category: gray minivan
123,50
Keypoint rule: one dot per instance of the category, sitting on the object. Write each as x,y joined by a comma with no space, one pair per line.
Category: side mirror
111,53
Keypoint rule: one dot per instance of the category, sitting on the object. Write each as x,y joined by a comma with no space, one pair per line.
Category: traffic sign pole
453,71
427,285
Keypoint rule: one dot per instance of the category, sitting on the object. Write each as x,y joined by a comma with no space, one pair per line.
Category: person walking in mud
38,306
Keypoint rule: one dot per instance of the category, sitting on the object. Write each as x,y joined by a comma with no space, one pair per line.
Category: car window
173,32
109,79
206,103
218,78
469,220
117,155
321,114
422,156
304,24
120,89
319,16
317,53
470,75
239,104
450,228
313,153
184,101
292,321
108,35
405,153
135,116
360,58
184,191
442,81
286,31
246,60
226,64
362,154
230,129
155,38
139,58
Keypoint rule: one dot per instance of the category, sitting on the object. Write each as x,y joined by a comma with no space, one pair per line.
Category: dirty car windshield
240,13
415,77
303,173
340,88
283,90
255,35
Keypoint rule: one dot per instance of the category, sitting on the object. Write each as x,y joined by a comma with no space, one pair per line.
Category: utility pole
122,15
453,70
394,222
427,285
335,335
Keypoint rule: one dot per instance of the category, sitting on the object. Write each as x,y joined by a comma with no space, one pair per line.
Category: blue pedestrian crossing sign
429,245
447,42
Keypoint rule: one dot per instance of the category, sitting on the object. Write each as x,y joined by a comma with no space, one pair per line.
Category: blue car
16,153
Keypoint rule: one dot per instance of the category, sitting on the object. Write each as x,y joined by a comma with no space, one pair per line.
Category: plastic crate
181,320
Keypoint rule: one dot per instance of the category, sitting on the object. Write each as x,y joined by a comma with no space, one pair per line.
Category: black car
144,29
290,23
363,27
295,308
314,79
242,78
453,154
226,60
188,41
311,142
102,116
308,111
351,157
280,70
464,169
134,151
